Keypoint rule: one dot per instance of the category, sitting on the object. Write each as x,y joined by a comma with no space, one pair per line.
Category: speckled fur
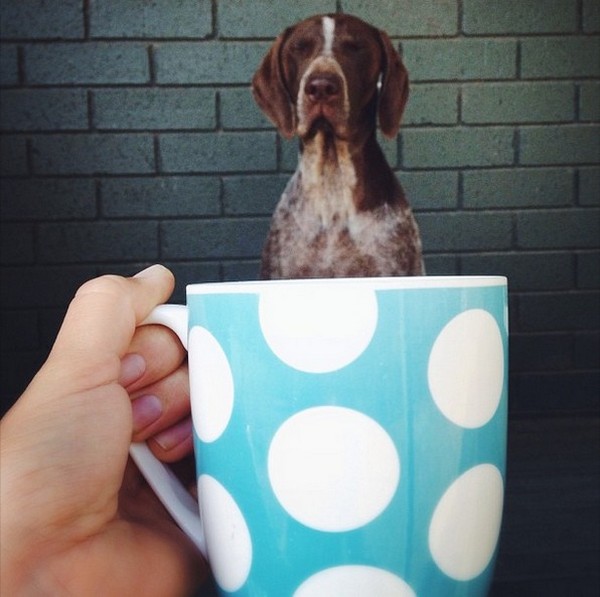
383,241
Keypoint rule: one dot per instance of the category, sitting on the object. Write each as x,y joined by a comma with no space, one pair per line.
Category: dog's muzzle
323,97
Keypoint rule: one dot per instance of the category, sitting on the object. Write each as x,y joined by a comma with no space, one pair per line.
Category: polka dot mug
350,434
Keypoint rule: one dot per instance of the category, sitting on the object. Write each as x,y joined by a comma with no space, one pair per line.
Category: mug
349,434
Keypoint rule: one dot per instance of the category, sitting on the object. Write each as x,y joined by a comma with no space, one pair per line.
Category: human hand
76,516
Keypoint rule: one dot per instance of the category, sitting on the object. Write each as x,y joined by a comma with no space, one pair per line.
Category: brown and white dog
343,213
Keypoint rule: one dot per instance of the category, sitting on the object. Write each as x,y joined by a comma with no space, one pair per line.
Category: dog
343,213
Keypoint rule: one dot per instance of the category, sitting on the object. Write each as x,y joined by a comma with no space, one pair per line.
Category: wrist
15,548
19,539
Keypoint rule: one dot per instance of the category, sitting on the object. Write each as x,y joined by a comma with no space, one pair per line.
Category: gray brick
540,352
85,242
19,330
41,19
515,16
208,62
588,270
460,59
560,57
252,195
547,393
589,101
430,190
157,19
155,109
21,287
13,155
16,243
239,110
589,186
241,270
517,187
408,18
93,154
9,68
591,16
586,351
213,152
518,102
445,232
441,265
43,109
87,63
214,239
432,104
47,199
525,271
160,197
459,147
263,18
567,144
558,228
559,311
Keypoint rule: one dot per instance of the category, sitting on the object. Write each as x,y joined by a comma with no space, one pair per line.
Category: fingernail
151,271
133,367
146,409
175,435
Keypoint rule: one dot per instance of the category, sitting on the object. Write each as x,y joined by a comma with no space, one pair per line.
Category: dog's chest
323,234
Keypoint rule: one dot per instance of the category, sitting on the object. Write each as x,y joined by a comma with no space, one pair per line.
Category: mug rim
382,283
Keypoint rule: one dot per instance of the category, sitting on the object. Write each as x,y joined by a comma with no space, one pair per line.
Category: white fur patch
328,33
328,186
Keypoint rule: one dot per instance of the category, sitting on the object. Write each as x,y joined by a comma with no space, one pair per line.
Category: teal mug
349,434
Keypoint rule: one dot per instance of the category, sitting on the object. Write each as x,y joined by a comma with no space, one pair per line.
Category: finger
174,443
161,352
100,324
161,415
161,405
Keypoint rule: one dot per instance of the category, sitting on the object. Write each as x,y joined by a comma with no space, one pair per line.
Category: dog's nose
322,86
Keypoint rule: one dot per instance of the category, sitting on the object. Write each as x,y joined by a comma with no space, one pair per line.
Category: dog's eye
302,46
352,46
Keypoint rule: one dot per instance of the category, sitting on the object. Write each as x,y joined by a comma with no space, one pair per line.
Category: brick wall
130,137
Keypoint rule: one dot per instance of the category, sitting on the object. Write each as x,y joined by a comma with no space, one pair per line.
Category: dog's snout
322,87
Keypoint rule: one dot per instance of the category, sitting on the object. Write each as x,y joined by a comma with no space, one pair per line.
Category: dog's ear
394,88
270,91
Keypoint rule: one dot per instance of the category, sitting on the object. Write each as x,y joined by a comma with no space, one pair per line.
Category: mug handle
176,499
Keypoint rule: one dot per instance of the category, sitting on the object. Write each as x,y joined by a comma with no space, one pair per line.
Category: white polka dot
227,536
354,581
333,468
317,329
466,369
211,385
465,526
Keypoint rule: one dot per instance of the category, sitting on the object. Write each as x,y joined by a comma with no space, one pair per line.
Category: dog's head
332,72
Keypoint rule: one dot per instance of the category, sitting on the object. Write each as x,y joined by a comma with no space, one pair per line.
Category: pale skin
76,517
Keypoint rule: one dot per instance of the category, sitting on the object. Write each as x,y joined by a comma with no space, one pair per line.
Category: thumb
99,326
